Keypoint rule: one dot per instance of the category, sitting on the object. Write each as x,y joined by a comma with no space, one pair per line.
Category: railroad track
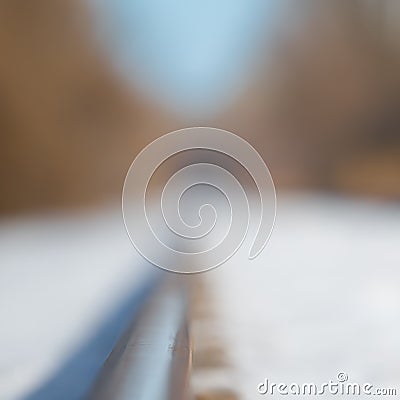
152,359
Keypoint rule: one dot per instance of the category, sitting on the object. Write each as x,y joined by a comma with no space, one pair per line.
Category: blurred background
313,86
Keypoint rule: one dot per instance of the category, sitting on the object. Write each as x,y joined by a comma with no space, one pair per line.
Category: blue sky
192,56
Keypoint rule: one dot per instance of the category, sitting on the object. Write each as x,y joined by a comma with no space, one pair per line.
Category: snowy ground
60,276
323,297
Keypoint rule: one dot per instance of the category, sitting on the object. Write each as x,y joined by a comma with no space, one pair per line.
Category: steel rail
152,359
